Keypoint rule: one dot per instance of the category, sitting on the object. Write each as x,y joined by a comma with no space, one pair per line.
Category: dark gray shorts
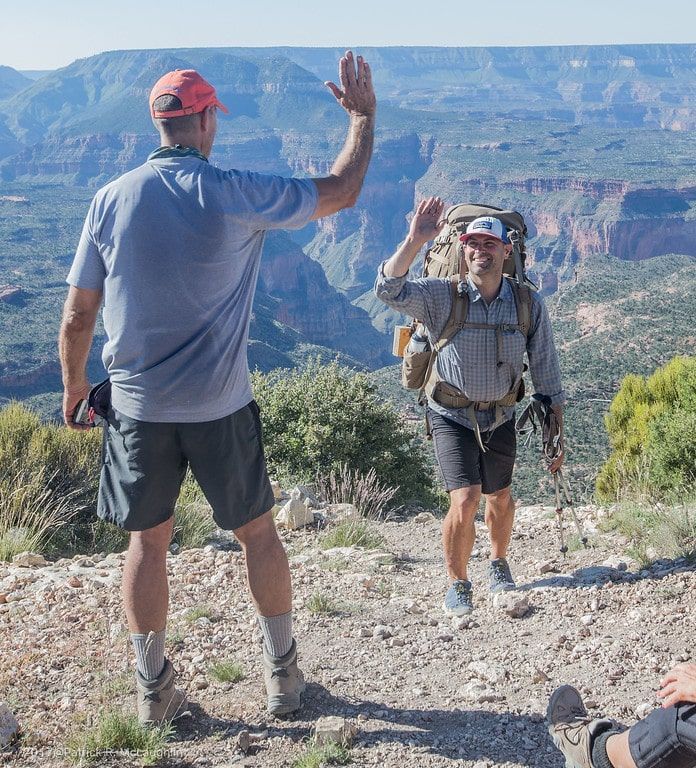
666,738
461,460
144,463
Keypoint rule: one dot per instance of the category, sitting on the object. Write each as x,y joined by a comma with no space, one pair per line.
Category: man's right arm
74,342
356,95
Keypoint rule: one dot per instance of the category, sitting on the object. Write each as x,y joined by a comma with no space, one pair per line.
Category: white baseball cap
486,225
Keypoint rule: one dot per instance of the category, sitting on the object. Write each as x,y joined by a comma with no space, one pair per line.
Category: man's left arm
544,368
74,342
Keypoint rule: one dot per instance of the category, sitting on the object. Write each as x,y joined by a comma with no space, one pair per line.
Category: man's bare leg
268,576
458,531
145,593
268,572
500,517
618,751
145,589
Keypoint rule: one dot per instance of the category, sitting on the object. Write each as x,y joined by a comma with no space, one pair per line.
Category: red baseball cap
190,88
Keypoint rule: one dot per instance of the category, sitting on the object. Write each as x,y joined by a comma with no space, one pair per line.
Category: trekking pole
561,484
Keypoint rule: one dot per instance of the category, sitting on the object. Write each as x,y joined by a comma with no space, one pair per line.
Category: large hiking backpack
444,259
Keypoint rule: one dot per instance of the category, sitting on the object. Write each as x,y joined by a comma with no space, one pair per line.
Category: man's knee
464,502
501,497
153,540
260,532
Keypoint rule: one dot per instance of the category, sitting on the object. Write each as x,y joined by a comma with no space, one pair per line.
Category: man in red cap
172,248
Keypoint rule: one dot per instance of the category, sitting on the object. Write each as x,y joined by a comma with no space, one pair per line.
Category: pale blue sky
45,34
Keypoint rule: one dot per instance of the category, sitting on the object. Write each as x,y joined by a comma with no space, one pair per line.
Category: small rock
74,582
480,693
277,490
3,597
295,514
539,676
424,517
462,622
644,709
381,632
246,739
9,727
334,730
29,560
548,567
514,604
490,673
587,619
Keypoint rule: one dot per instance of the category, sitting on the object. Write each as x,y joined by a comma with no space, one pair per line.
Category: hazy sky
45,34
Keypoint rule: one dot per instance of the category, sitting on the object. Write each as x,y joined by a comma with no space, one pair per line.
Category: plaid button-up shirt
470,361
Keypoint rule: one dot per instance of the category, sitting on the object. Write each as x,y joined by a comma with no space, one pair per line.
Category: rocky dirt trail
422,689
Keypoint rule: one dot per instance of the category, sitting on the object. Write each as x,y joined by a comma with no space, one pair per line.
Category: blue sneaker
499,576
459,599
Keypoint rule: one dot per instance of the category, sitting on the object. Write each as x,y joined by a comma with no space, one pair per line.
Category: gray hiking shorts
666,738
461,460
144,464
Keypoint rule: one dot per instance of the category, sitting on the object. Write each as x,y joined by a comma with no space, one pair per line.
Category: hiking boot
499,576
572,731
158,700
459,600
284,681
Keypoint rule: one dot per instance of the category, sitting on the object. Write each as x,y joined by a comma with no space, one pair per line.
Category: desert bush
49,476
193,517
352,533
115,732
31,514
651,429
323,417
656,530
350,486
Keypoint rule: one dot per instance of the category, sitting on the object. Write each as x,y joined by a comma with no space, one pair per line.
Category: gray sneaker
499,576
459,599
158,700
284,681
572,731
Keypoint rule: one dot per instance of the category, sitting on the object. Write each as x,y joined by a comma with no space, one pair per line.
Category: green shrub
322,417
364,491
651,426
50,467
654,530
116,732
352,533
321,604
193,518
226,671
317,756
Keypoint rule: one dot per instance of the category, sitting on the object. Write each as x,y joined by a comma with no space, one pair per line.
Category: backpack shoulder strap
523,305
457,316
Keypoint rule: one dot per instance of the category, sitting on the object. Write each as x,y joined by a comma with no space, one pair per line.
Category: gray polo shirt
175,247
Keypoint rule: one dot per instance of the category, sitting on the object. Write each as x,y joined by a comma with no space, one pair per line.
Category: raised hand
356,94
679,684
427,221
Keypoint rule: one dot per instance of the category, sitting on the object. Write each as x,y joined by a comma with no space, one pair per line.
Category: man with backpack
473,381
173,249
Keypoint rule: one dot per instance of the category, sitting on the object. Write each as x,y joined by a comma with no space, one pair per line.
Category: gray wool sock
600,758
149,653
277,633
